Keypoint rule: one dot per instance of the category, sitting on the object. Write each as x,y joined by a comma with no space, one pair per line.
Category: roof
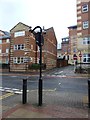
73,27
6,35
22,24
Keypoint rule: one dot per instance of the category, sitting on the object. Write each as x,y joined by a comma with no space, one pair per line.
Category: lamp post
39,41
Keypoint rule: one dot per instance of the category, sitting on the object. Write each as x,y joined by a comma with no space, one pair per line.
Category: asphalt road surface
58,83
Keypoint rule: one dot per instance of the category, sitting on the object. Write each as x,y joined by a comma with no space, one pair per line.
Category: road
58,83
49,82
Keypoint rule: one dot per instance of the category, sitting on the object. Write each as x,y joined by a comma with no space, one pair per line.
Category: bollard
24,94
89,93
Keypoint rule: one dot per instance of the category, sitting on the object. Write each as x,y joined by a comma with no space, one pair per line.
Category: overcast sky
58,14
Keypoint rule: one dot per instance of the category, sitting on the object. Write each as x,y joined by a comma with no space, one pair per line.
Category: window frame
19,33
86,57
18,60
19,47
85,24
86,40
7,40
7,50
85,9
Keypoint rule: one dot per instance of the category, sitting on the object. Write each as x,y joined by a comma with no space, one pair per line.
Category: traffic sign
75,57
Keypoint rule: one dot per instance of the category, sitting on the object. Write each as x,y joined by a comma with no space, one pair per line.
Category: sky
58,14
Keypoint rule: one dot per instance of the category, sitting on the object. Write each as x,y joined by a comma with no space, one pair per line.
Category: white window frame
85,8
15,47
15,60
86,40
7,50
7,40
85,24
18,60
19,33
19,47
86,57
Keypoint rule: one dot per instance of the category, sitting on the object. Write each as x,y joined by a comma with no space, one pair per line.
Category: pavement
53,106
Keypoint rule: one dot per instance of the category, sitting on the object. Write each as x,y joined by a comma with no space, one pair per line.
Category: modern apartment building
4,47
83,30
24,51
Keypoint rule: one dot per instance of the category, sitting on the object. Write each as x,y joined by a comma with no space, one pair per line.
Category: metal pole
40,78
24,94
39,38
89,93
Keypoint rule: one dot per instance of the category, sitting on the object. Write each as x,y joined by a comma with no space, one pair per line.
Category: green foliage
35,66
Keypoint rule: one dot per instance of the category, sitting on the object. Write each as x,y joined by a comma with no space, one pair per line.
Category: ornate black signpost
39,41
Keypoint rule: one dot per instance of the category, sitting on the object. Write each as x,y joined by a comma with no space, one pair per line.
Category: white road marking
7,88
13,76
61,75
15,89
2,90
59,83
60,72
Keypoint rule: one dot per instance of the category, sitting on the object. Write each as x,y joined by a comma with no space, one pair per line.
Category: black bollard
24,94
89,93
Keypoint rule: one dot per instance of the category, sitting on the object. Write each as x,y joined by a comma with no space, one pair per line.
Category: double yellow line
6,95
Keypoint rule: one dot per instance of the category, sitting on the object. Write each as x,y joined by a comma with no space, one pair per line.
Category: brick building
65,46
4,47
73,42
24,51
83,29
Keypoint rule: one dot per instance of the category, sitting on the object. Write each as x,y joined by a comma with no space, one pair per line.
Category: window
7,50
86,40
15,60
15,47
19,33
85,8
86,58
7,40
19,47
18,60
0,41
21,60
85,25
